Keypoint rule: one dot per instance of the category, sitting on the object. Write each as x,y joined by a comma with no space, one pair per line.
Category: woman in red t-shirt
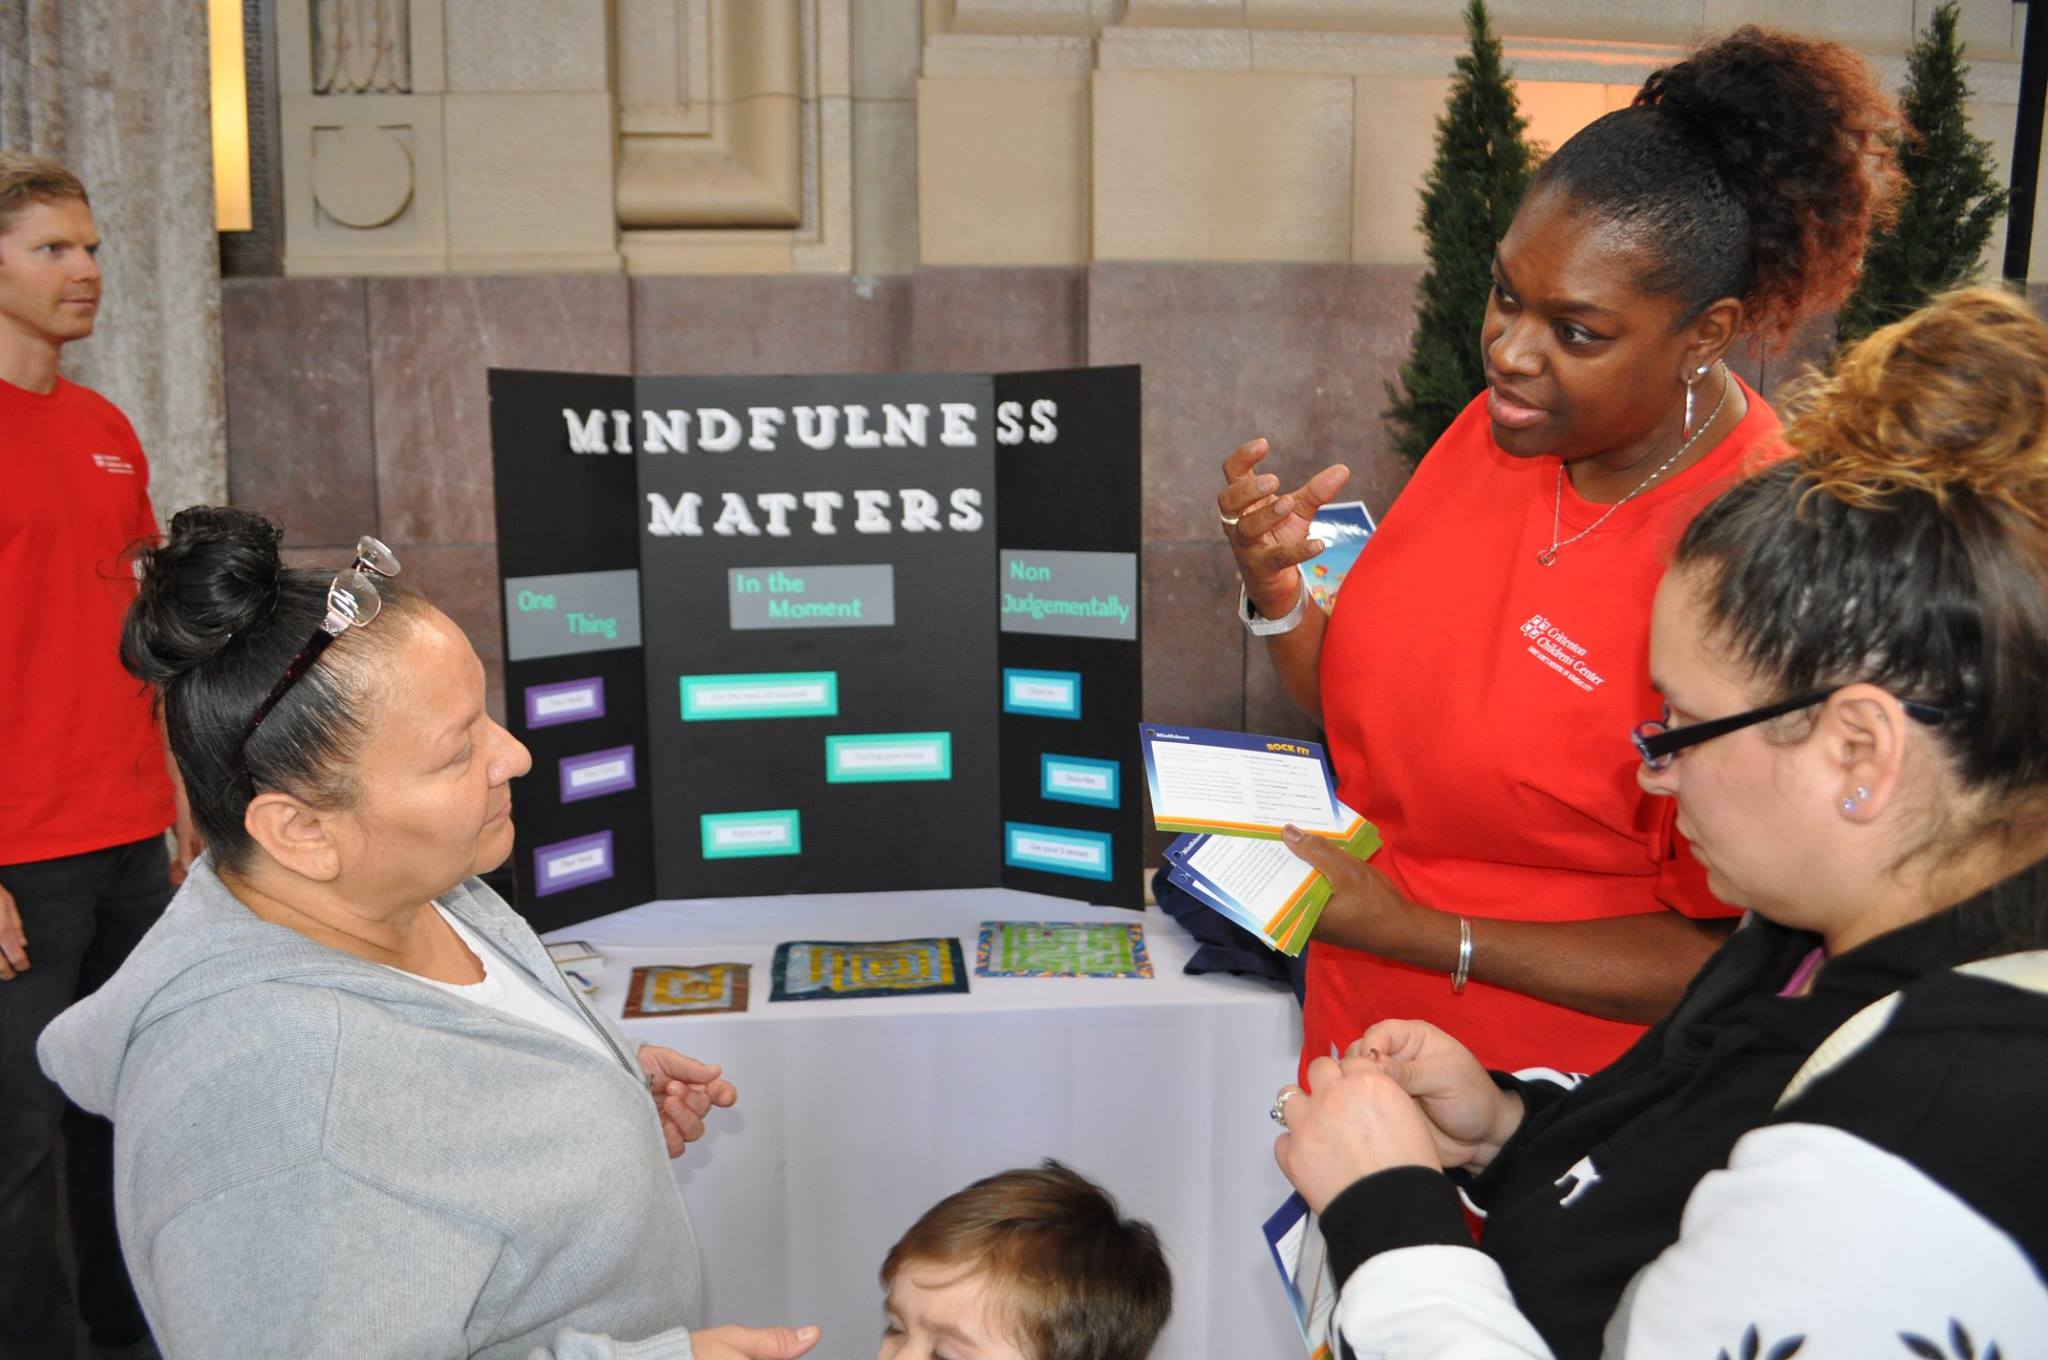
1484,662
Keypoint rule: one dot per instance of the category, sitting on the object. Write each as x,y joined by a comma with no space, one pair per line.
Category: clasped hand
684,1091
1405,1094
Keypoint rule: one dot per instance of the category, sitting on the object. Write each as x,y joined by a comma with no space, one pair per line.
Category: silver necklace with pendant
1548,556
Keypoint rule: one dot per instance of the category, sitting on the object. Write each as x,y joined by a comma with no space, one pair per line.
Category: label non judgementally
1070,594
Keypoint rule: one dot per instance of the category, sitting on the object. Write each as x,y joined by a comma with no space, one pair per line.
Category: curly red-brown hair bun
1755,169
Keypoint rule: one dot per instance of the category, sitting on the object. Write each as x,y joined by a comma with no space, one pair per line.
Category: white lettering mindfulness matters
769,429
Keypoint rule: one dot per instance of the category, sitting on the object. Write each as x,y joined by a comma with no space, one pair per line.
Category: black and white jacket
1685,1202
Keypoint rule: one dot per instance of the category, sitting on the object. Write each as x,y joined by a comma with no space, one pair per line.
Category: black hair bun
215,577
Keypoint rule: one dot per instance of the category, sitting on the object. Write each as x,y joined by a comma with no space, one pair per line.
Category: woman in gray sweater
357,1111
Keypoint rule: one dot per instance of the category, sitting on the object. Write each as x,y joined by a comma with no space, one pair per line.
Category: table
855,1116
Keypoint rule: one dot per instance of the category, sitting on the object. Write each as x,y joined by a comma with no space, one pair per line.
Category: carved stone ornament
362,47
362,176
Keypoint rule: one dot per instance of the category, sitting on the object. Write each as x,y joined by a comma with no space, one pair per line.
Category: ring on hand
1279,1111
1229,521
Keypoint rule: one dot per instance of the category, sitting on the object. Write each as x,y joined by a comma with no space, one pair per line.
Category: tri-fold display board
820,634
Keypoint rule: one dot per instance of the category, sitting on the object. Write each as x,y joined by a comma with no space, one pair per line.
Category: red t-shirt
81,762
1478,708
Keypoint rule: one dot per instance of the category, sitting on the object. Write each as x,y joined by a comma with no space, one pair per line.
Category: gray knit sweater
316,1156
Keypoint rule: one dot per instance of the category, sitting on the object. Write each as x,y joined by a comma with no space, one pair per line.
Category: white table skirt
857,1115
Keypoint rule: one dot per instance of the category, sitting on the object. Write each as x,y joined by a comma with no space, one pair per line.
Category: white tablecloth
857,1115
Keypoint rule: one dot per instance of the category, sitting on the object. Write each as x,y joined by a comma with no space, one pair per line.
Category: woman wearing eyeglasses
358,1113
1528,893
1832,1145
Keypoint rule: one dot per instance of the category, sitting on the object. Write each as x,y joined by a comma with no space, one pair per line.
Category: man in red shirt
85,790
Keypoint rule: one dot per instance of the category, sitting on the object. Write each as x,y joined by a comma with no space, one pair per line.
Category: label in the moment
884,757
1056,850
566,701
580,611
1070,594
812,597
595,774
738,835
572,863
1077,779
1045,694
779,694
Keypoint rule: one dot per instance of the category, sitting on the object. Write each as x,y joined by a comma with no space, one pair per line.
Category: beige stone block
364,187
530,176
1635,21
1867,25
1222,166
663,72
884,186
1986,28
824,243
504,46
1002,171
1393,143
1175,49
424,68
1556,109
748,173
831,50
888,45
1185,13
978,56
1032,16
757,47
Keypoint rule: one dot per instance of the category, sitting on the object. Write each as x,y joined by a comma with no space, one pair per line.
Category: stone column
119,91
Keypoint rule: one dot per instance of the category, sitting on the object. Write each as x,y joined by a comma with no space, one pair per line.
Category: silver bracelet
1463,972
1259,627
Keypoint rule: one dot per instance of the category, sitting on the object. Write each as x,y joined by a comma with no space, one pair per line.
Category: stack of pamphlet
1232,795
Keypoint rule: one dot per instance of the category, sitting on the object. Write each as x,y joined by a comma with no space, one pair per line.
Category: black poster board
817,634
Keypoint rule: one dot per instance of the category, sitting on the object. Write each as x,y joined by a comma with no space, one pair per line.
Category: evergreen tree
1952,199
1482,169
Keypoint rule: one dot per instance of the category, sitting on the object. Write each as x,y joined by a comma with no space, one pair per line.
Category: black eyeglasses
352,601
1658,742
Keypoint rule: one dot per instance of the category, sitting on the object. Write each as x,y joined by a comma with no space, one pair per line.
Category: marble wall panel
297,374
768,323
431,340
1297,353
462,582
998,320
1266,705
1194,648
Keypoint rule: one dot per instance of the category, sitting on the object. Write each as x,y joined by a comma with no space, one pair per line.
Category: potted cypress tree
1952,200
1482,168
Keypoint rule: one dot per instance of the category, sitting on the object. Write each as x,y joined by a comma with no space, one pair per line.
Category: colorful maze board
1061,949
686,990
820,970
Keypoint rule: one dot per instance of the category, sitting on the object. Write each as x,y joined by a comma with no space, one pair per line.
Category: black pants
82,914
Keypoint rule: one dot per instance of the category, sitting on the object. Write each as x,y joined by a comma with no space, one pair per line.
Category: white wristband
1259,627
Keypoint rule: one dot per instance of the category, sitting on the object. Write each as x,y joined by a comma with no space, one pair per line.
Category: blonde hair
26,179
1953,399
